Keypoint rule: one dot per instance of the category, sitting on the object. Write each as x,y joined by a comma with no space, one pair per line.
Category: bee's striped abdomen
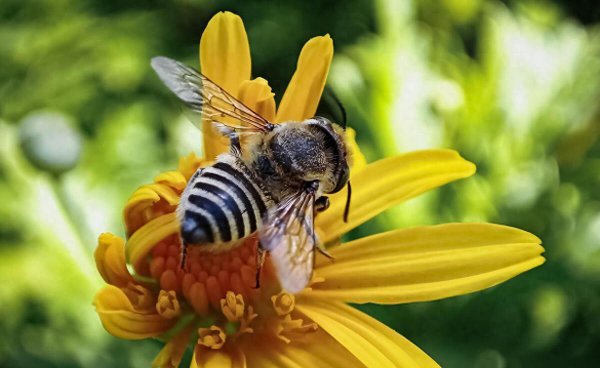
222,203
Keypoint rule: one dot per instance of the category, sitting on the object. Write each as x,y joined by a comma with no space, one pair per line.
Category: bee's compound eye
342,180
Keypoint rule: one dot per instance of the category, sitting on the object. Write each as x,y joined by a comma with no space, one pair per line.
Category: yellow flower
215,303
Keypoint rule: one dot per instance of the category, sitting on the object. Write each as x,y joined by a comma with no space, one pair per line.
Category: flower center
221,289
207,276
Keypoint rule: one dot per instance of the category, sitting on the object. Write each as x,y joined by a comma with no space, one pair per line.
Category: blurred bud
490,359
447,96
551,311
50,141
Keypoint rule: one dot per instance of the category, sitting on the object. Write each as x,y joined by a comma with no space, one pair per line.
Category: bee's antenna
341,107
331,99
347,209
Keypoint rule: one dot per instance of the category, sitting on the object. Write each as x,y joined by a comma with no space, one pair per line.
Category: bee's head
336,151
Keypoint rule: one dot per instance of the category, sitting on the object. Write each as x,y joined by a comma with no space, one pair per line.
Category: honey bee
272,185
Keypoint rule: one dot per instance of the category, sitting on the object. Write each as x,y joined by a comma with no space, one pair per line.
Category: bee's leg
324,252
236,147
182,262
321,204
260,260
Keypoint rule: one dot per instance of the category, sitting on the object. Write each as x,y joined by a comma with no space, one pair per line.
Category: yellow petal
170,355
148,202
225,52
229,357
426,263
172,179
144,239
372,342
388,182
357,159
225,59
188,165
302,95
137,207
120,318
110,260
257,95
316,350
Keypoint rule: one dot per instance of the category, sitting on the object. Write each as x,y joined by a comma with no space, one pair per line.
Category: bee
272,185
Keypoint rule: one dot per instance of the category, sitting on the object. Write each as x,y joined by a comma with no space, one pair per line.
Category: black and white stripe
225,201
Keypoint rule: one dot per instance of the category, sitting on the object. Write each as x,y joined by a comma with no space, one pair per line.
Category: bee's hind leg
260,260
183,259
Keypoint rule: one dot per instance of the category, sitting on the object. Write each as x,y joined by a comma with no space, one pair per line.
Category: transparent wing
204,96
288,234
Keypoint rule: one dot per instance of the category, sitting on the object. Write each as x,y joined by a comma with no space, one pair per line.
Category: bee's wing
204,96
288,234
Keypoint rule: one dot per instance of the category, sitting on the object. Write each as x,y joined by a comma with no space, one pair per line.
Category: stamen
168,306
213,337
283,303
288,328
232,306
208,277
246,321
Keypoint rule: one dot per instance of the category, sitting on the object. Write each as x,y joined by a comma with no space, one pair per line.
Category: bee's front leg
321,204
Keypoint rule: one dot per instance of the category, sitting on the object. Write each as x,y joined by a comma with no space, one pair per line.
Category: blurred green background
513,85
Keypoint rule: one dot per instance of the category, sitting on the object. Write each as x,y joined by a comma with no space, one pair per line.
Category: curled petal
225,59
142,241
257,95
110,260
173,179
303,94
427,263
388,182
138,208
372,342
148,202
141,298
121,319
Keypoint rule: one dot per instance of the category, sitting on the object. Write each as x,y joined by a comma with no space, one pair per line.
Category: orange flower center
207,276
